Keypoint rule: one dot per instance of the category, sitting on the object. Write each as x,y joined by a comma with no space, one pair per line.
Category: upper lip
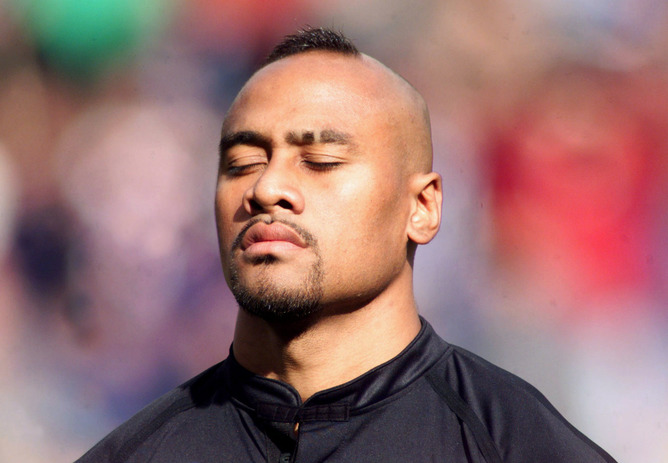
275,231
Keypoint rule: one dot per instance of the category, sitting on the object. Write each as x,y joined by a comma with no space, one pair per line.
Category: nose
275,190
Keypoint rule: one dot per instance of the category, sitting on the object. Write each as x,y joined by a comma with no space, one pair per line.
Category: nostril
257,206
254,205
284,204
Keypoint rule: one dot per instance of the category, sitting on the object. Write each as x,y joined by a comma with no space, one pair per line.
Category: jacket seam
466,414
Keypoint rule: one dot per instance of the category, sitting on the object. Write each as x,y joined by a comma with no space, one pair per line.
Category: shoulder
507,414
146,425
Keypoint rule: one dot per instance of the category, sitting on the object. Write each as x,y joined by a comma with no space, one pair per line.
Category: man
325,189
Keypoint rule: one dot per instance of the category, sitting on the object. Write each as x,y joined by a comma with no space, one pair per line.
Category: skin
339,146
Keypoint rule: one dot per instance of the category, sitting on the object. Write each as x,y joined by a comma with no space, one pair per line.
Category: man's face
312,201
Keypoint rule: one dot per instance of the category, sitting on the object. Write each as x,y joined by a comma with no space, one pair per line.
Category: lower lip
271,247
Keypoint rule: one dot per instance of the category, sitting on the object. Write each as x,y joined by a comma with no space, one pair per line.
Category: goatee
267,300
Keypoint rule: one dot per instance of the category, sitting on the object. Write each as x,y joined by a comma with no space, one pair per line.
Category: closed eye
239,170
322,166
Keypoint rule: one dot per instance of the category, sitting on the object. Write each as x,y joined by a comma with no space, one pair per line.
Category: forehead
311,91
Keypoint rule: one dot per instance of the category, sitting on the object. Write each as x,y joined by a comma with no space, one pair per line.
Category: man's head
325,184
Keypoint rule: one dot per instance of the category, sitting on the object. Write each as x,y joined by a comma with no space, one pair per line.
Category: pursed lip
262,232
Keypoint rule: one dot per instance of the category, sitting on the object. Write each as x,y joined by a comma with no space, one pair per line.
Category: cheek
383,209
365,219
226,208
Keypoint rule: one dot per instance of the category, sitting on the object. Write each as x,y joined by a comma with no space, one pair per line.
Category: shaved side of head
414,120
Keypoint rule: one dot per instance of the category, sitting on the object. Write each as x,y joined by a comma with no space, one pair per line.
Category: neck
330,351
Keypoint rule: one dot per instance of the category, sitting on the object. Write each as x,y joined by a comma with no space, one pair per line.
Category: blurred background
549,120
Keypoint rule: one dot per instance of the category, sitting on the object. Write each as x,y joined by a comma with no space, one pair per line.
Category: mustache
308,237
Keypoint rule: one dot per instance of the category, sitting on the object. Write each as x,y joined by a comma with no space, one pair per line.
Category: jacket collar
279,402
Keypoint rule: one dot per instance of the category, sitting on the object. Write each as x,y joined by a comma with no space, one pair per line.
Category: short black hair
312,39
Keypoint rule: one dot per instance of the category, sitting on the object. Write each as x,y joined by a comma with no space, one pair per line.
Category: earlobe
425,218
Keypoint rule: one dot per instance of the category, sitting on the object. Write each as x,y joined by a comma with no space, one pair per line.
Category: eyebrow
309,137
305,138
244,137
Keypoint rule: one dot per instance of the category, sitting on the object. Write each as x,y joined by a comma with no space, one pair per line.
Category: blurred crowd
549,122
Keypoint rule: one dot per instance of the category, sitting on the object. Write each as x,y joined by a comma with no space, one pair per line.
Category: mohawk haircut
312,39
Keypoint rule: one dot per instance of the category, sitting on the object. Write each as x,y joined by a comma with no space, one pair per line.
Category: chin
273,295
278,306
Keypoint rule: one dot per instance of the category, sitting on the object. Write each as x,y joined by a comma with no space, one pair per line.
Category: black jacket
434,402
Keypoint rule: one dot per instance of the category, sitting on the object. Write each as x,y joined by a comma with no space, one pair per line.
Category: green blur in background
82,38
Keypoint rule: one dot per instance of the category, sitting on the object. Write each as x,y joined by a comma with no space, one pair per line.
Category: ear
425,218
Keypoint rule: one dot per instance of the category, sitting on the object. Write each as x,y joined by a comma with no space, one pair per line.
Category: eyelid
321,161
321,157
243,169
244,154
241,159
322,166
